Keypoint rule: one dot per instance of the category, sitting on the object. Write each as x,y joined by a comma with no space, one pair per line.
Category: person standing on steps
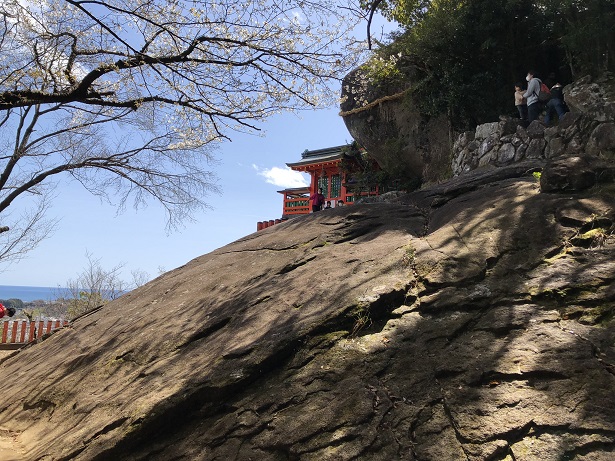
556,104
520,102
317,201
534,106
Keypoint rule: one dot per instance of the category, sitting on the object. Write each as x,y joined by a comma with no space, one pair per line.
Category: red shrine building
325,169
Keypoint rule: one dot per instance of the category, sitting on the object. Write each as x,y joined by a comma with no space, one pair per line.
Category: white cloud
282,177
298,17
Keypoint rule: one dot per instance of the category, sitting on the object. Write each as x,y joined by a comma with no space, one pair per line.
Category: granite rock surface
472,320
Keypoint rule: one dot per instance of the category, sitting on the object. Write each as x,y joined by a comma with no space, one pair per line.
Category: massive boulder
594,97
386,120
471,320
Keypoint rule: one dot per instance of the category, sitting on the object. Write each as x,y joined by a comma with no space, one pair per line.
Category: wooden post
14,334
5,330
22,336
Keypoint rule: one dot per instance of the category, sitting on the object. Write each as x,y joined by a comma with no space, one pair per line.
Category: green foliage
585,30
401,11
383,68
409,255
465,52
470,54
13,302
360,169
595,233
363,174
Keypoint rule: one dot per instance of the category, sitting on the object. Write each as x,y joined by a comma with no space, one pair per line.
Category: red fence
296,206
23,331
265,224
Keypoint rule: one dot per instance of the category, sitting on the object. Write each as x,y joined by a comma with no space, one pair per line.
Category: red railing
300,205
24,331
265,224
296,206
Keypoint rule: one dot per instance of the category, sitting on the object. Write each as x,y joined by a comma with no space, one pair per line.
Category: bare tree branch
130,99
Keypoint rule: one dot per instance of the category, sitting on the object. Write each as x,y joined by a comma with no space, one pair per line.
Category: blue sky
251,170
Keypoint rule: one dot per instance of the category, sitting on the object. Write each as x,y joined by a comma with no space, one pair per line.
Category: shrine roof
311,157
295,190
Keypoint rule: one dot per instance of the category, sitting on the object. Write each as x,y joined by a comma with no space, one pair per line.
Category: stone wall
588,129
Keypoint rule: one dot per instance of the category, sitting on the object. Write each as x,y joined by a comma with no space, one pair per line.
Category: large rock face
386,121
593,97
472,320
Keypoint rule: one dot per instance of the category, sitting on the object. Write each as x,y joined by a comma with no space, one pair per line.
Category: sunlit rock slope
468,321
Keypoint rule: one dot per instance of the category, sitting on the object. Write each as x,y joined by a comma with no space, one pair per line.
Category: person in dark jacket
317,200
556,104
10,311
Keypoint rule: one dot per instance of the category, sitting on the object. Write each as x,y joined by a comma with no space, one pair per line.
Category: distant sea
27,294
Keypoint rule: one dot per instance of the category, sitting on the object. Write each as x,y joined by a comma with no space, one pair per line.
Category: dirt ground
9,447
10,450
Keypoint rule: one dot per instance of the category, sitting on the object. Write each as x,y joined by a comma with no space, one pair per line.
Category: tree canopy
471,53
129,98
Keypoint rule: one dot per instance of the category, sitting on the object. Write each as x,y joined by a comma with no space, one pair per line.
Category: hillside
470,320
